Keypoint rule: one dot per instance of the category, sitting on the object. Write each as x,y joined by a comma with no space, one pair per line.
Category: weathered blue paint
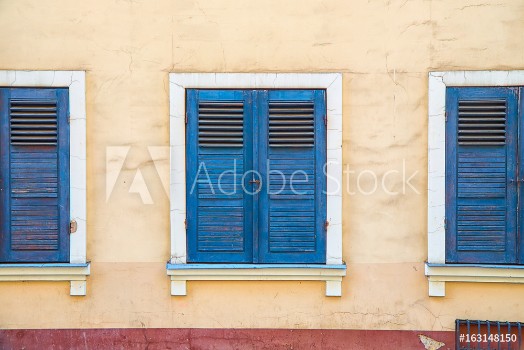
292,211
481,186
35,186
219,212
256,225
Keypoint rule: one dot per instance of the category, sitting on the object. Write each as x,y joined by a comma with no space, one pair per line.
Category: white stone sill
331,274
439,274
76,274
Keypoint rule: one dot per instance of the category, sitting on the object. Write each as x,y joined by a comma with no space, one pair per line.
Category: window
210,241
255,179
475,178
482,170
34,182
43,177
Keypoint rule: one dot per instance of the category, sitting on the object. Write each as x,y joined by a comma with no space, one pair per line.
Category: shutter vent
482,123
221,124
33,122
291,124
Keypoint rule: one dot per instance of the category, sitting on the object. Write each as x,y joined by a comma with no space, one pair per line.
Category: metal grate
482,123
33,122
291,124
221,124
488,335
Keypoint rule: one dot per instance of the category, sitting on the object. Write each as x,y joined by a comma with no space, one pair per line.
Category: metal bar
520,335
457,334
469,333
478,332
498,330
489,334
509,332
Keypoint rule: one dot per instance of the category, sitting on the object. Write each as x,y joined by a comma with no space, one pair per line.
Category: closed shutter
292,155
219,152
34,181
481,175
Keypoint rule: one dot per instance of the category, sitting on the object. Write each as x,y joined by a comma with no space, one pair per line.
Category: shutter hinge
325,120
68,119
326,224
186,117
446,116
445,224
73,226
185,223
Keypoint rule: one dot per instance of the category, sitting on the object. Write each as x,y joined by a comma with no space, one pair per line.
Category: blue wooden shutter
481,174
34,179
219,141
292,140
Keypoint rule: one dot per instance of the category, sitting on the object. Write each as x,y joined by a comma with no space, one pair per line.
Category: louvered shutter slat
220,124
478,124
296,118
33,122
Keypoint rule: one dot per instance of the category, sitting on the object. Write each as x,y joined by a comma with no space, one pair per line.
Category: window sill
181,273
75,273
439,274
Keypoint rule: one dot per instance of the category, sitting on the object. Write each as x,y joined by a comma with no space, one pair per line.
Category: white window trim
178,83
437,270
78,267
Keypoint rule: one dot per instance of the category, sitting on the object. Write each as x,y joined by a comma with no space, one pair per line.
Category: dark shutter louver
481,175
482,122
35,175
220,123
291,124
33,122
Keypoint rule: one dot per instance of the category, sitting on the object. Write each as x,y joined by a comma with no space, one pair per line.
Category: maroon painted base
173,338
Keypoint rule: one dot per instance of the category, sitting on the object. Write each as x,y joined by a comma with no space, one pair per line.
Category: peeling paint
430,344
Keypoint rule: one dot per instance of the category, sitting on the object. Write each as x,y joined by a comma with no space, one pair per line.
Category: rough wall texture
230,339
385,50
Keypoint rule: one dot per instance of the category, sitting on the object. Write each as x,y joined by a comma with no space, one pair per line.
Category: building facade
140,143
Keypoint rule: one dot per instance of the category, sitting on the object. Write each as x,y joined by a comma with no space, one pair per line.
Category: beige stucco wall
384,49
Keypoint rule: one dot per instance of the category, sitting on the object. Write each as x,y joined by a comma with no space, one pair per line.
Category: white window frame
178,268
437,270
78,268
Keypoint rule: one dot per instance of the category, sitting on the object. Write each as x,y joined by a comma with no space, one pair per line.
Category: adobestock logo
231,181
234,180
368,182
295,181
116,161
